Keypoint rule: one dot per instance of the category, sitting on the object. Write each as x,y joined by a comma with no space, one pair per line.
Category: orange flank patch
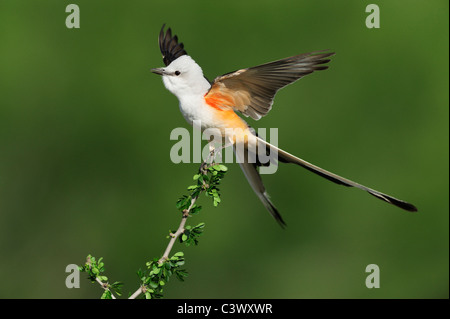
223,98
224,101
219,101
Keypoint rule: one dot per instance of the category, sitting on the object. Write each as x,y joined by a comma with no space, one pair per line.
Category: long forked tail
255,181
285,157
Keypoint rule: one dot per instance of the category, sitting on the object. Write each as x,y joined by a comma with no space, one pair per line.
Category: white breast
196,109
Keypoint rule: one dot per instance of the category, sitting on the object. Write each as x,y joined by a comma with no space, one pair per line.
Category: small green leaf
156,270
153,284
181,274
195,209
106,295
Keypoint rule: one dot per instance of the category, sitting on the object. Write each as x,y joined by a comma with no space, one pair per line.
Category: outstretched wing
169,46
251,91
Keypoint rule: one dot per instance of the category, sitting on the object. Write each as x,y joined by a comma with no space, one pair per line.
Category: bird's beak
159,71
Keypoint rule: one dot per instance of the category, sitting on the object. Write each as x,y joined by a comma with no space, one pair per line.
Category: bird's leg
217,151
212,152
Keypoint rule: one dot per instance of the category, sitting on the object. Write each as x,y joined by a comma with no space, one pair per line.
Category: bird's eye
177,73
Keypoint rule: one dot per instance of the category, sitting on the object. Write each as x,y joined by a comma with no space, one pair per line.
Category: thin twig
203,170
104,285
137,293
174,237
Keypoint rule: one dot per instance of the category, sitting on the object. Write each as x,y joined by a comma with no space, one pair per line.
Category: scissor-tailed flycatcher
251,92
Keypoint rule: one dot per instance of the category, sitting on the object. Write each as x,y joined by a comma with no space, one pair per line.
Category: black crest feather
169,46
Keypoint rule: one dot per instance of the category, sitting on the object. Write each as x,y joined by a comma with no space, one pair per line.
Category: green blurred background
84,149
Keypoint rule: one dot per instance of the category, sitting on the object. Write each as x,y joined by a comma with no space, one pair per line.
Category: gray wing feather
263,81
